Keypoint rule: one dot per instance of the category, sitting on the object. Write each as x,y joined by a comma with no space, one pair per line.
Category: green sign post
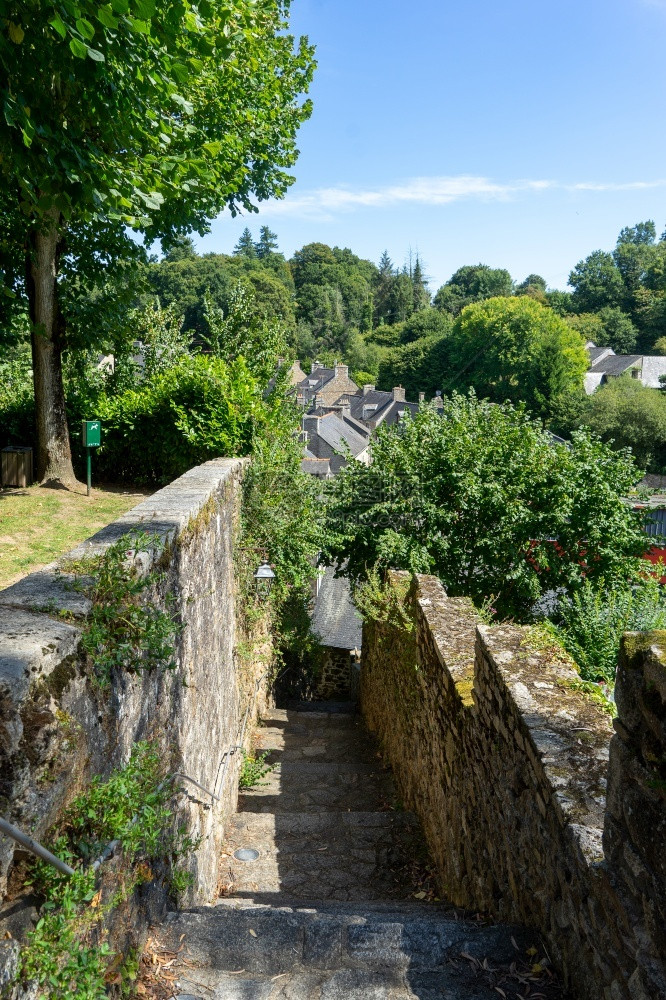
92,438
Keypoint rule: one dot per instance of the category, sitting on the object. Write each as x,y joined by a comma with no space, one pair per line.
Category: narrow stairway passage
327,910
325,821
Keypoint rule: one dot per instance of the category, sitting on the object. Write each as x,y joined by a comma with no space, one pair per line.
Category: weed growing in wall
123,630
254,769
591,622
387,602
66,956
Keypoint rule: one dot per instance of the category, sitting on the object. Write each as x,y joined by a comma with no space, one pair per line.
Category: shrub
593,620
199,409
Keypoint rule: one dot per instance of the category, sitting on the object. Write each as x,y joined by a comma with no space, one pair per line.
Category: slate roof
615,364
337,433
320,467
597,353
387,408
335,619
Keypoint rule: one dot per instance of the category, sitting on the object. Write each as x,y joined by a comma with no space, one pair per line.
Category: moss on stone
635,644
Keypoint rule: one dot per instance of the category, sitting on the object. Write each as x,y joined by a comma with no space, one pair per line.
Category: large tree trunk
54,456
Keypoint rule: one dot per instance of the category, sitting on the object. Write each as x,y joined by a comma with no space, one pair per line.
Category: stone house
326,384
332,436
606,364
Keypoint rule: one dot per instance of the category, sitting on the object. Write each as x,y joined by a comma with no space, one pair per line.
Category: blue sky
520,135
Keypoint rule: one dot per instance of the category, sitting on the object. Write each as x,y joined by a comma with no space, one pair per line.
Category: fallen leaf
253,933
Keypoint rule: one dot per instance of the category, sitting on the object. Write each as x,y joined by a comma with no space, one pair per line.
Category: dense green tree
597,282
245,246
184,283
610,327
531,281
267,244
517,350
618,330
472,283
401,297
334,291
421,295
135,114
421,366
533,286
628,414
560,302
181,248
475,493
382,291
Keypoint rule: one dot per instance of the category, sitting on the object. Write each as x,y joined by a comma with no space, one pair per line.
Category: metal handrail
34,846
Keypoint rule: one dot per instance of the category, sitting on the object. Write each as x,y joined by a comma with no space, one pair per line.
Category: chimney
314,366
342,371
311,423
421,398
438,399
367,389
399,394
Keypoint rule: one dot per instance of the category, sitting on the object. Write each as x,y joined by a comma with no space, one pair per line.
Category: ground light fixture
263,579
246,854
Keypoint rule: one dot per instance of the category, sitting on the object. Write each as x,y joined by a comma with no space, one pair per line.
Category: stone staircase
327,909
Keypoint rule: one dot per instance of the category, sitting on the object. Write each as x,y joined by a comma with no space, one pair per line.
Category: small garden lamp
263,578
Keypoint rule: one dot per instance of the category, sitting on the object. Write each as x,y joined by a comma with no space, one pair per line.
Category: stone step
456,982
335,855
274,940
304,787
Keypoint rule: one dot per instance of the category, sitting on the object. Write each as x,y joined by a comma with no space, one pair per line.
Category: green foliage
517,350
243,334
628,285
122,630
186,282
198,409
282,519
66,956
254,769
627,414
472,283
16,401
385,601
476,493
422,366
592,621
80,147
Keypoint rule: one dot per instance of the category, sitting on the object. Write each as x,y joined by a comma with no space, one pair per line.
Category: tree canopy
477,493
472,284
627,414
517,350
135,114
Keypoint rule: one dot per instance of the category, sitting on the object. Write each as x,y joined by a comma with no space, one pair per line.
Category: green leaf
85,28
145,8
16,33
96,55
59,26
106,17
78,48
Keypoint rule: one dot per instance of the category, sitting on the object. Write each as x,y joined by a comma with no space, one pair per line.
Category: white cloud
325,204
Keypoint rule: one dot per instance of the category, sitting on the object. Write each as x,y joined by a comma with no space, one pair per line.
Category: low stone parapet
506,761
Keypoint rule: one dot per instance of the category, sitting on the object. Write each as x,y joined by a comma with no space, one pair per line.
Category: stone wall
505,761
57,729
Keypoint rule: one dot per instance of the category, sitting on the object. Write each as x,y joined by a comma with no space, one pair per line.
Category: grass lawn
38,524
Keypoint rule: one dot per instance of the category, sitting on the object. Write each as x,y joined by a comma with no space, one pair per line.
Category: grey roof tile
335,619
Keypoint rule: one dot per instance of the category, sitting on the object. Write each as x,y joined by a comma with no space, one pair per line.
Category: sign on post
91,431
